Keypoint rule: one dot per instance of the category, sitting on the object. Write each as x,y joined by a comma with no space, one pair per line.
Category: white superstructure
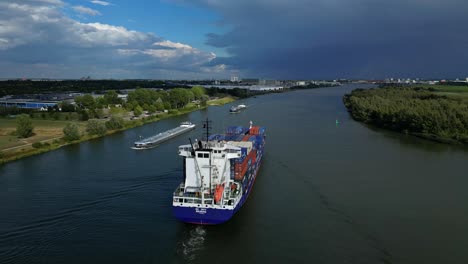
207,172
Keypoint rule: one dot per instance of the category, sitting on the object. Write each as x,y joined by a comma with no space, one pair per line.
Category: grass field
445,88
448,90
221,101
43,130
50,132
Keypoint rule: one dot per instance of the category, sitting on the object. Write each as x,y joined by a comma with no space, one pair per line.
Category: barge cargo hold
155,140
219,174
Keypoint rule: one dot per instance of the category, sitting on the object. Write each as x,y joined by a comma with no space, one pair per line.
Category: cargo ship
237,109
219,173
155,140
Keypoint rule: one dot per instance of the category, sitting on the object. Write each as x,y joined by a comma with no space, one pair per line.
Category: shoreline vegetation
438,113
93,117
42,146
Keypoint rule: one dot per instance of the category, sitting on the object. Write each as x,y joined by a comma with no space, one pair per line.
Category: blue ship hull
211,216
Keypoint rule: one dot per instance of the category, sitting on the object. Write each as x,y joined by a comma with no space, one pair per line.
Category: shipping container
236,130
215,137
261,131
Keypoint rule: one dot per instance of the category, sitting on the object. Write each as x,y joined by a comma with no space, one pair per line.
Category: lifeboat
218,193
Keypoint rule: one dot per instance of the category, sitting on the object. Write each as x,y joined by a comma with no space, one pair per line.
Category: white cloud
170,44
103,3
86,11
34,33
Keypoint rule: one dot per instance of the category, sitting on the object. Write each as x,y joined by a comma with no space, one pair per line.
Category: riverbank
49,133
438,114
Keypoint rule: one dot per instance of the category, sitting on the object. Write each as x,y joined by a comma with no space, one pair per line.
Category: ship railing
180,196
191,200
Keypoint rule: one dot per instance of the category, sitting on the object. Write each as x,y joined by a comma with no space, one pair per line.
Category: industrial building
27,104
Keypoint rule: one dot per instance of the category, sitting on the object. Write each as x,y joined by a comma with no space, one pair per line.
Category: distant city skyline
214,39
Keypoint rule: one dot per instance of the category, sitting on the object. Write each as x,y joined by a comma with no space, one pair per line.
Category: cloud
86,11
37,39
342,38
103,3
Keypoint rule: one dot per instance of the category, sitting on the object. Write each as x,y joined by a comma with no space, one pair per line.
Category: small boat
237,109
155,140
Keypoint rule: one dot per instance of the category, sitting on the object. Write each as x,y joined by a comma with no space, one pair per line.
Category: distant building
27,104
123,96
249,81
265,88
301,83
234,79
269,82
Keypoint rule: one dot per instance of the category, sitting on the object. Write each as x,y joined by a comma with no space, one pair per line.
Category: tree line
411,110
17,87
138,101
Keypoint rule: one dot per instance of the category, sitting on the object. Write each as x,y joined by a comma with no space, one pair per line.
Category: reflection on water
192,242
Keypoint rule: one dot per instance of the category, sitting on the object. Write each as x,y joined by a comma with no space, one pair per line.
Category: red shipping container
254,130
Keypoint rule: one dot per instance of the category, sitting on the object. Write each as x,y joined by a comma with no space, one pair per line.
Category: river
327,192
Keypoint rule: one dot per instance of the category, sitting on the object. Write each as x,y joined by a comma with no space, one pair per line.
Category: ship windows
203,155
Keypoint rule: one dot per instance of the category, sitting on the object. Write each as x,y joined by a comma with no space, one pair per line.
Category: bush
67,107
71,132
115,123
138,111
96,127
37,145
24,126
84,116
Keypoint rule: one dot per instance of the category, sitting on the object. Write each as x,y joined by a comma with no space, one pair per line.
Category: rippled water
326,193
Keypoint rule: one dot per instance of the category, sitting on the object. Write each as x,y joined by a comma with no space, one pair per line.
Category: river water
326,193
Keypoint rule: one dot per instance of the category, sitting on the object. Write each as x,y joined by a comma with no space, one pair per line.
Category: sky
216,39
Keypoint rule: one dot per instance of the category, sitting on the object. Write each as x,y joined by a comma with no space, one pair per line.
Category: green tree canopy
67,107
96,127
115,123
111,97
71,132
138,111
411,110
179,97
198,91
24,126
86,101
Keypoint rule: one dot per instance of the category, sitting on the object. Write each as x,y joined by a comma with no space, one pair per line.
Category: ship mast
207,126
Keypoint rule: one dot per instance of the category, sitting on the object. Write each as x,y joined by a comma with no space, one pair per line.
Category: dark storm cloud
343,38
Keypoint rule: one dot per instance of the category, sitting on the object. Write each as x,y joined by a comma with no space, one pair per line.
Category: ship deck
179,196
162,135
